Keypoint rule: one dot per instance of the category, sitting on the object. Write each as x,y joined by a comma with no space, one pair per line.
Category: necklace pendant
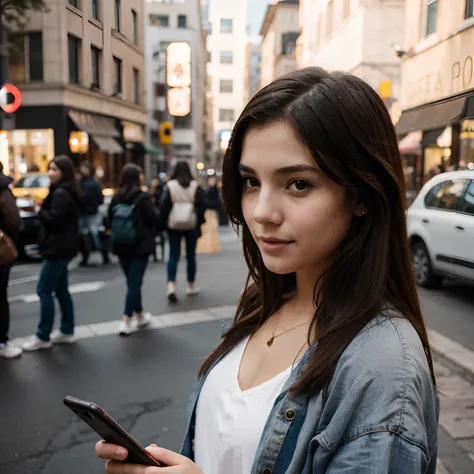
270,341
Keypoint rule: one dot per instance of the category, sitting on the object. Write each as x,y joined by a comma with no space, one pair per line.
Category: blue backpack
123,225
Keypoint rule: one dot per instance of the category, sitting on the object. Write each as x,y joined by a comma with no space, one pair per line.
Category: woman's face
295,213
55,174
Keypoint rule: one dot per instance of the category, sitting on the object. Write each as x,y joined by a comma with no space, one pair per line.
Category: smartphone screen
110,431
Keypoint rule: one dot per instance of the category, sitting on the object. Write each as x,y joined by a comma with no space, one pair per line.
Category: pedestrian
182,207
156,191
212,194
89,220
58,245
327,366
134,221
10,223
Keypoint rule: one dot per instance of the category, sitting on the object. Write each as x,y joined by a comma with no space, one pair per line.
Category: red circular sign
15,105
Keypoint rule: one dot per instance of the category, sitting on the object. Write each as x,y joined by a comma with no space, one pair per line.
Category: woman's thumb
165,456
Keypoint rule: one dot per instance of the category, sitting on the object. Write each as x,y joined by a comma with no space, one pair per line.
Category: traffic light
166,133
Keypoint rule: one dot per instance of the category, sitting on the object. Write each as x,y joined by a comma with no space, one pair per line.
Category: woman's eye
249,182
299,186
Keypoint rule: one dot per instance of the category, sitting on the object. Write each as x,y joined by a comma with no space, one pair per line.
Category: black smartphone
110,431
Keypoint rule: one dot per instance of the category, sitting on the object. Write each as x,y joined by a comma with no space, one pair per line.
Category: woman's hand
176,464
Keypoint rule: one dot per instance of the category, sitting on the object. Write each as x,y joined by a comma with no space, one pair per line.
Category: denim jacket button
267,471
290,414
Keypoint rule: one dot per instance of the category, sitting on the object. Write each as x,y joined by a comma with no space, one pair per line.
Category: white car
441,229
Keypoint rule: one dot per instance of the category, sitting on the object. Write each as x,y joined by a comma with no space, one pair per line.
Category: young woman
327,366
182,206
59,243
133,256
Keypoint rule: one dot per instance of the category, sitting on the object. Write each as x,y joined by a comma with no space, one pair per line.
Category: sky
255,12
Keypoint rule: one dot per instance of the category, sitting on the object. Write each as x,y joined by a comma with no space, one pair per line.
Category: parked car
32,186
441,229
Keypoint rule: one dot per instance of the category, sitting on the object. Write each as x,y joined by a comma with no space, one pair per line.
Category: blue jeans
54,279
90,224
134,269
191,237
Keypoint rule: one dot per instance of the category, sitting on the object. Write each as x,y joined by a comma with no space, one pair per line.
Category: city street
144,380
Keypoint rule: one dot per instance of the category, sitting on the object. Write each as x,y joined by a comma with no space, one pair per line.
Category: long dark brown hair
68,176
347,128
182,173
129,182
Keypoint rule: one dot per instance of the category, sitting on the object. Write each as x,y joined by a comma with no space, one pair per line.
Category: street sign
10,108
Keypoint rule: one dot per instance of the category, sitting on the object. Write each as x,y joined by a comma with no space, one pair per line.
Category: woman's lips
269,244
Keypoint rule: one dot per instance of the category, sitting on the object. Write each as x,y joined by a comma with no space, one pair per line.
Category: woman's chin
279,267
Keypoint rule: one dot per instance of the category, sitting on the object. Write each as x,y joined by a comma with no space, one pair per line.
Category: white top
229,421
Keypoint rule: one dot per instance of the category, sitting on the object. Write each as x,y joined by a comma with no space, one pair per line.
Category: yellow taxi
34,186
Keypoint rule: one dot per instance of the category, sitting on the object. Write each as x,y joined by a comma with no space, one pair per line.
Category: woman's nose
267,209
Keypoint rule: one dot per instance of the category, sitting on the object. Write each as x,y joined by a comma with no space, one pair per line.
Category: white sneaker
57,337
126,328
9,351
35,344
172,298
192,291
141,323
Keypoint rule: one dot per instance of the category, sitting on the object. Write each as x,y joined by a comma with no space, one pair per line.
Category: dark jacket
10,221
59,214
200,204
92,196
146,220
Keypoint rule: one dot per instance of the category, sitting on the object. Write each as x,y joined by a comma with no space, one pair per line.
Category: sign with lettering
444,69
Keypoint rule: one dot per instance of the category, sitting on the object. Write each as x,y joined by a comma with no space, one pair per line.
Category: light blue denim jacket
379,415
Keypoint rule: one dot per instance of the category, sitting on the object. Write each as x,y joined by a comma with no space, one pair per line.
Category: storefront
438,108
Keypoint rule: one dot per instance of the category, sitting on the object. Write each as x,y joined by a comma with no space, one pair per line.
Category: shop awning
107,144
430,137
142,147
410,144
94,125
431,116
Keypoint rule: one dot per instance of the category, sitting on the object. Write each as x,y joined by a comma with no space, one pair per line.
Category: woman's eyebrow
285,170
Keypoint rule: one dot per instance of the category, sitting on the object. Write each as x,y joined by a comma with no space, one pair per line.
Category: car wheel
424,275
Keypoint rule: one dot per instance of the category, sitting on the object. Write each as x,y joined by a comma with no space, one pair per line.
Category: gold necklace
270,341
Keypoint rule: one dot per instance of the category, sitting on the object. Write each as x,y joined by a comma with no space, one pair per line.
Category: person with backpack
58,244
10,223
134,222
182,207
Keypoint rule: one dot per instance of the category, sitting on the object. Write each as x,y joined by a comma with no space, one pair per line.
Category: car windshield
33,181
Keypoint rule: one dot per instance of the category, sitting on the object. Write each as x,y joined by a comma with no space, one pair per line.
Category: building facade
226,43
280,32
437,123
355,36
169,22
80,69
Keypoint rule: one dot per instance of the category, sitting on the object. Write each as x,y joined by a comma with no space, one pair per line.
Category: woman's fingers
117,467
110,451
170,458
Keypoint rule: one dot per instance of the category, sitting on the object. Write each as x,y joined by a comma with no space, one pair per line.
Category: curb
460,358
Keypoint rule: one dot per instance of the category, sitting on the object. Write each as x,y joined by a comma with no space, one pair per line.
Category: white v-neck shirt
229,421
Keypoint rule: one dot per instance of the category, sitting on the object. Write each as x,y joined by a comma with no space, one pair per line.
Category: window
182,21
117,14
226,115
469,9
25,61
95,63
74,3
227,57
95,9
226,86
183,122
73,47
288,43
227,26
117,76
467,202
446,195
329,18
431,16
160,20
136,86
134,27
